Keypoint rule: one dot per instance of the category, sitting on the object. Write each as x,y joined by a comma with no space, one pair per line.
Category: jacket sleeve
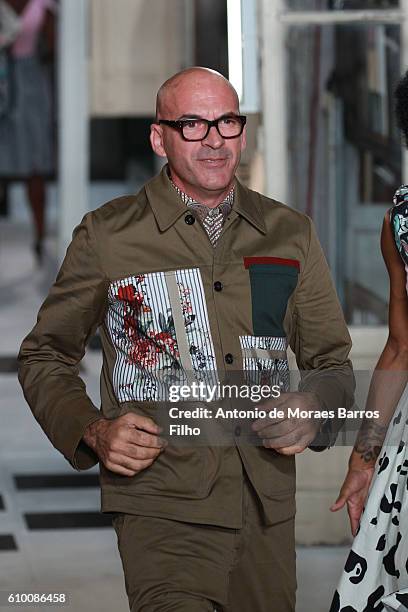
321,341
49,356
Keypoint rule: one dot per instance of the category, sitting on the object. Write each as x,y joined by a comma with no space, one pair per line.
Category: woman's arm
387,384
390,373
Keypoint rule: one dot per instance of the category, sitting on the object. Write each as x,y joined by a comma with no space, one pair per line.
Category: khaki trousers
172,566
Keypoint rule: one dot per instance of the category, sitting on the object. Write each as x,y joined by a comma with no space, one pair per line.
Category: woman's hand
354,493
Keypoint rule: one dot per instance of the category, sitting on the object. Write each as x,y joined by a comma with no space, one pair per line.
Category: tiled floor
83,561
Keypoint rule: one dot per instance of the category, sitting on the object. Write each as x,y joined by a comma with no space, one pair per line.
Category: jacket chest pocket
272,281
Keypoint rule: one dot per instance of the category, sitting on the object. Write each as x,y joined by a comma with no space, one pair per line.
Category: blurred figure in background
26,151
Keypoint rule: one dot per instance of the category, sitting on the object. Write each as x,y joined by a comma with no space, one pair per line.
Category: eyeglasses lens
229,127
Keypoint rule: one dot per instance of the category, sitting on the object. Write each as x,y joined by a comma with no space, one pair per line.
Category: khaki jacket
168,304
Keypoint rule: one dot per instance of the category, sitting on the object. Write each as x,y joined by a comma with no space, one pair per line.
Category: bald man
191,281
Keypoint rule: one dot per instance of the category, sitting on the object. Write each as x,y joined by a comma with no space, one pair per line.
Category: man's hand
354,492
125,445
289,436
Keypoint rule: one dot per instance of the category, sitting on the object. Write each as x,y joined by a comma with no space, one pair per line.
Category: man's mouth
214,161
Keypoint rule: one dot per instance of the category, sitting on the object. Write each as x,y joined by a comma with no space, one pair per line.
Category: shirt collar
223,207
167,205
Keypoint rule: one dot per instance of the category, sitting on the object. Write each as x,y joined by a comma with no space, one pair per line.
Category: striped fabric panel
159,334
265,360
133,374
198,329
177,311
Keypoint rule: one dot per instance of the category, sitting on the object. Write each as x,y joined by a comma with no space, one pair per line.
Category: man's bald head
203,168
187,79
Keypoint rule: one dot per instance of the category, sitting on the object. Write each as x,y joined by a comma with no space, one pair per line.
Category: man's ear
156,140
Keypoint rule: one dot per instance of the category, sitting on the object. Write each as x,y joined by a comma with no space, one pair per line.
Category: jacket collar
248,204
167,206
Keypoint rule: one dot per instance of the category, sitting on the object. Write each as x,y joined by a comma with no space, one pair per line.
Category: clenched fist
125,445
285,435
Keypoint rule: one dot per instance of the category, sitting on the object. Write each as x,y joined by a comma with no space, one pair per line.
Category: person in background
375,575
26,140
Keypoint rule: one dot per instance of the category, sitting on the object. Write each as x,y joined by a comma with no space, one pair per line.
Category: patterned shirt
399,222
212,218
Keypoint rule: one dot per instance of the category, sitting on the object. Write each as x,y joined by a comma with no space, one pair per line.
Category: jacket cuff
324,438
69,431
331,394
83,456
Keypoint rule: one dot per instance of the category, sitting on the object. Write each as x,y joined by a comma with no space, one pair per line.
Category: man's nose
213,138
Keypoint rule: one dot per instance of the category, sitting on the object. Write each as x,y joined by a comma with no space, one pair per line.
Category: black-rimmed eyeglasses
228,126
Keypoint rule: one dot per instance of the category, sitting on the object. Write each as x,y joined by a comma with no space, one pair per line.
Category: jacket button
237,431
228,358
218,286
189,219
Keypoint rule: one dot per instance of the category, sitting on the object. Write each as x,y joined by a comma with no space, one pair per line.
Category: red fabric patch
249,261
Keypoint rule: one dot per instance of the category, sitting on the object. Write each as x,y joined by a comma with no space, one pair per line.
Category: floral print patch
159,325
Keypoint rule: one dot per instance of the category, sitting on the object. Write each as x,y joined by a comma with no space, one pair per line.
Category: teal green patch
271,287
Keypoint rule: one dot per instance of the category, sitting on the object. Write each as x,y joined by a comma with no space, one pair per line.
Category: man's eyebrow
189,116
193,116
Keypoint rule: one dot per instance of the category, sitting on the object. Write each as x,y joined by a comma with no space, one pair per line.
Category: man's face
209,165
